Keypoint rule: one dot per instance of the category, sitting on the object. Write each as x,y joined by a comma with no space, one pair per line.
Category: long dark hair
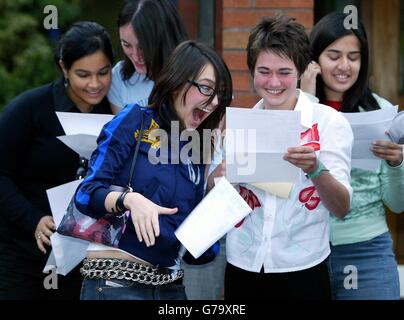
158,28
329,29
184,65
82,39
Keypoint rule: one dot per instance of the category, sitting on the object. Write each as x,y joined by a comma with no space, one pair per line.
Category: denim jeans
365,270
129,290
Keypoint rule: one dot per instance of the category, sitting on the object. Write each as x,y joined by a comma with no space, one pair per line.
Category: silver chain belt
98,268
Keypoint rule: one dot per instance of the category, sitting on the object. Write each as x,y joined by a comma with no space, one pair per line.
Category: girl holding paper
149,30
33,160
361,240
192,91
280,250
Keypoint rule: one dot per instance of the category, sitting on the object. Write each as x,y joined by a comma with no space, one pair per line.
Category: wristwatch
316,173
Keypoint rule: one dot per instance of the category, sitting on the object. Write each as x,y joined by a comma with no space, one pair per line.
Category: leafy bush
26,48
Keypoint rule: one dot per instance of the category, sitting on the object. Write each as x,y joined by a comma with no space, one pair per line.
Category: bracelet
316,173
120,208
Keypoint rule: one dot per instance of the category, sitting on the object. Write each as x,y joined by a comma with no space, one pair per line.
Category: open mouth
139,63
198,115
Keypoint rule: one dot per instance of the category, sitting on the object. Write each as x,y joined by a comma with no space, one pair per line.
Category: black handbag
106,230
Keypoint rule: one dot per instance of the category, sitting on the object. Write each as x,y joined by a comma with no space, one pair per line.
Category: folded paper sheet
256,141
82,130
213,217
83,144
396,131
59,198
83,123
367,127
67,252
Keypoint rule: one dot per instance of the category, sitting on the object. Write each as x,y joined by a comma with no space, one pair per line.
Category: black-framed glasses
203,88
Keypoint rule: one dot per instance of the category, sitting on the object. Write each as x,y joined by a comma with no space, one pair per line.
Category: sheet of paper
213,217
396,131
67,252
371,116
368,127
59,198
256,141
83,123
83,144
51,263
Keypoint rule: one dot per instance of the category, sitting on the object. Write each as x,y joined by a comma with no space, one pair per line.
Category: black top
33,160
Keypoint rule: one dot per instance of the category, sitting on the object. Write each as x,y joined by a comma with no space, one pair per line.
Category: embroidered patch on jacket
309,197
311,137
154,141
251,200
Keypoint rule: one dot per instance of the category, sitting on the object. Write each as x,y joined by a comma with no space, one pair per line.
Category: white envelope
213,217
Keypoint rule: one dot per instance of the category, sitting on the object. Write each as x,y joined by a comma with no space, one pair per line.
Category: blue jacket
169,185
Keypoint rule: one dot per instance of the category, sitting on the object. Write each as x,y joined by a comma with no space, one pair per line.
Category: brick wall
238,17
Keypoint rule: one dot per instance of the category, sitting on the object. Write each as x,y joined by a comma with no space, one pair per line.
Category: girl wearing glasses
193,90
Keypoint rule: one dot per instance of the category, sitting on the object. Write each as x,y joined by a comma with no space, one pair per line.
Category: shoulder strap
139,140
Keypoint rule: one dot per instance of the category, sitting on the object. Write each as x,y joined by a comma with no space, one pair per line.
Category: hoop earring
66,82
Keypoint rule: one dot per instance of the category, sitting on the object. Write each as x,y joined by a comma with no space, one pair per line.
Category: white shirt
134,90
285,235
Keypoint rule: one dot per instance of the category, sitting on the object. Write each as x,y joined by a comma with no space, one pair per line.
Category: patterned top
292,234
